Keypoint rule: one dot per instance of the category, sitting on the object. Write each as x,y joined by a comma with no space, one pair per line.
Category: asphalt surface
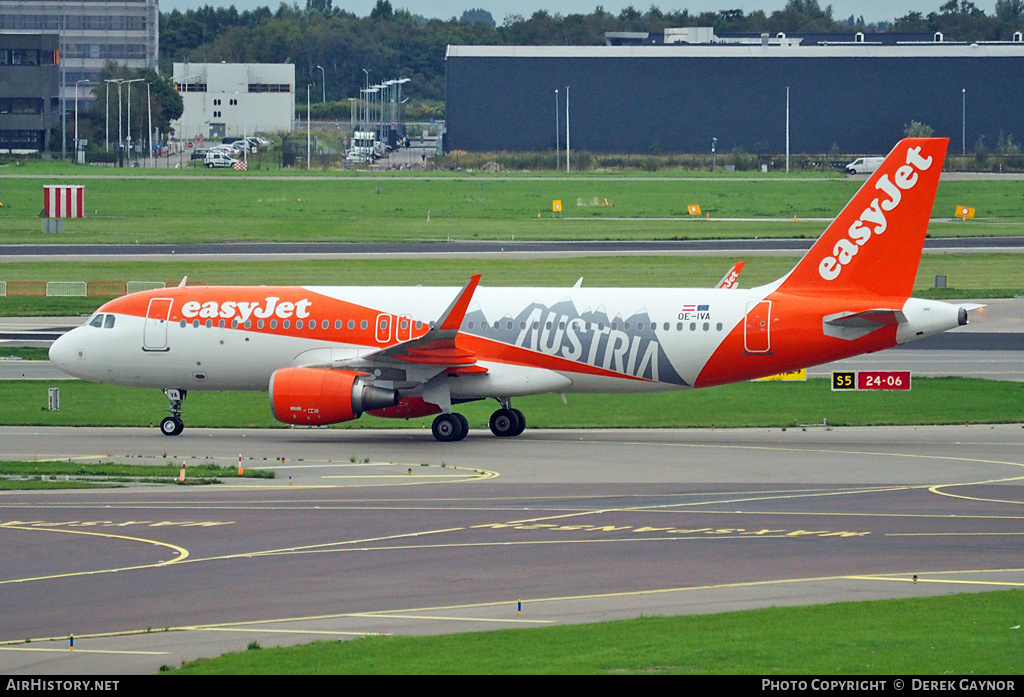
239,250
390,532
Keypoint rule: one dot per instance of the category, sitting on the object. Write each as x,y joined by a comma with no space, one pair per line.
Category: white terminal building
231,100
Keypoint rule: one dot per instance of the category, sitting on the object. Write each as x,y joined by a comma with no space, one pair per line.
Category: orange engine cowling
317,396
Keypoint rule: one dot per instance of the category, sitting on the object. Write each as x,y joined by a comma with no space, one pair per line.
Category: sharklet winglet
452,318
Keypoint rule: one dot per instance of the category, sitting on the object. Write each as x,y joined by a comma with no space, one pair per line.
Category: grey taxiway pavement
267,251
367,532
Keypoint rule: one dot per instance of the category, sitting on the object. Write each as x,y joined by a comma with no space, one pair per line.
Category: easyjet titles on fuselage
845,249
270,307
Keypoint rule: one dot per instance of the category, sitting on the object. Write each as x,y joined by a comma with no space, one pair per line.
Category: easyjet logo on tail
872,221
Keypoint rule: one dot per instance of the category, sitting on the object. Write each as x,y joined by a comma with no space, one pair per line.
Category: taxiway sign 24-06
329,354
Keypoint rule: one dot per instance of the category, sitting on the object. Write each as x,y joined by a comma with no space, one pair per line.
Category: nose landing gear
173,425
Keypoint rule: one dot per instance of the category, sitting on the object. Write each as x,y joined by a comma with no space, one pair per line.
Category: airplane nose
61,351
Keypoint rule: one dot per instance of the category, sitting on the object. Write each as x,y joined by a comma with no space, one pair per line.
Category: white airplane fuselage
591,339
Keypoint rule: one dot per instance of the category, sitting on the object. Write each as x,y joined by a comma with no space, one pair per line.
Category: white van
864,165
218,158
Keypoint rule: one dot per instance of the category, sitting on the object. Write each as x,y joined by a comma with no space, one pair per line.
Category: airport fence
78,289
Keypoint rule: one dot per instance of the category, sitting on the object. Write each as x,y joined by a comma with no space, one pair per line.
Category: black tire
522,422
504,423
448,428
171,426
464,422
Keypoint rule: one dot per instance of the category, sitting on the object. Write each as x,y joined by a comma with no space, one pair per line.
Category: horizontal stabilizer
853,325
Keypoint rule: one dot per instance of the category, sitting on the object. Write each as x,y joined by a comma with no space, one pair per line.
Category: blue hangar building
677,93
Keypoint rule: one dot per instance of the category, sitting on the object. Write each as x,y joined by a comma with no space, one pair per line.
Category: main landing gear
173,425
505,423
449,428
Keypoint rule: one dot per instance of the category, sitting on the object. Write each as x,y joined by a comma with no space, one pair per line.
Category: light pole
149,109
567,129
366,104
120,132
558,138
129,118
714,155
963,122
106,109
787,130
323,83
77,83
245,125
63,85
307,129
401,81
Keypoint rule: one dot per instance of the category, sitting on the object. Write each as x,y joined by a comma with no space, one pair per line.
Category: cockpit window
96,321
108,323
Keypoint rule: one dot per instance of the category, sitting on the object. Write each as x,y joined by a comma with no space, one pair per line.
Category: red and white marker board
64,201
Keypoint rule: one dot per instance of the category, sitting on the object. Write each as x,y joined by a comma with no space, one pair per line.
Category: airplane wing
418,360
438,346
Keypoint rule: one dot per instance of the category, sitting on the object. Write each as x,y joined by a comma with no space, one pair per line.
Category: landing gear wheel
505,423
173,425
522,422
448,428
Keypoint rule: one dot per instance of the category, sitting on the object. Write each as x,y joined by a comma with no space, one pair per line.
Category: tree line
395,43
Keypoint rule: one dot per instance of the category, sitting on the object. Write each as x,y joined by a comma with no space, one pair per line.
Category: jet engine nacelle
316,396
408,408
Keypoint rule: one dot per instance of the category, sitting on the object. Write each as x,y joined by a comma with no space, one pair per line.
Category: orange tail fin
874,245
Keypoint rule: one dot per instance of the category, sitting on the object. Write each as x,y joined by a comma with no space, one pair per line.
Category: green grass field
968,275
194,207
961,635
48,475
931,401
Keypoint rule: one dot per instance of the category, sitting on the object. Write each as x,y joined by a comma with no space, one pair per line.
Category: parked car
218,158
864,165
198,154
